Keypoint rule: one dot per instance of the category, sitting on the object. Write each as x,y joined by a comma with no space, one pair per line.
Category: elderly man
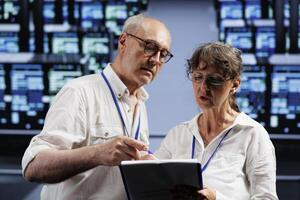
98,120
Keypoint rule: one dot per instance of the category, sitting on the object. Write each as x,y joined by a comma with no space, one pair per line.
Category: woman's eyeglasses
209,80
151,48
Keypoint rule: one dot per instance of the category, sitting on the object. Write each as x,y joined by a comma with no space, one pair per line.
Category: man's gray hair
134,23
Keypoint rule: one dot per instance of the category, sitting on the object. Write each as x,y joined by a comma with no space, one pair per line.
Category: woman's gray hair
223,57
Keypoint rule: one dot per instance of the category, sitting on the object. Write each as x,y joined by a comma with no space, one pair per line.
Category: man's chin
146,80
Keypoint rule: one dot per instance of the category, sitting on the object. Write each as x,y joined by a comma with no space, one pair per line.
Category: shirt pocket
100,134
226,167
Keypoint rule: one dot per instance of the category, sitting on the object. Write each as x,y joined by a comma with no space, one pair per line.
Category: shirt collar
241,120
119,87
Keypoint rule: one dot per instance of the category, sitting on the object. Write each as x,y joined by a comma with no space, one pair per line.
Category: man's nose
156,57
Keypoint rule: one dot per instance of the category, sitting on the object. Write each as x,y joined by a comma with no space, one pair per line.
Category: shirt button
106,134
119,95
129,110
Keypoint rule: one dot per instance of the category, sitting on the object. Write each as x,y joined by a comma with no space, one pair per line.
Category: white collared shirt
244,166
83,113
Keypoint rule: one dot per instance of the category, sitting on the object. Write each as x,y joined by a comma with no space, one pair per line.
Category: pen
150,152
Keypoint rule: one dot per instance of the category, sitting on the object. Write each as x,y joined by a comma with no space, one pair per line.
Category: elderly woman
237,156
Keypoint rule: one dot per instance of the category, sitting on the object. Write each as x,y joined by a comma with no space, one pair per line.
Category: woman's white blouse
244,166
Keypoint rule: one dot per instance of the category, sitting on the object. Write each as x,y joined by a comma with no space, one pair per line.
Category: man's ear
121,41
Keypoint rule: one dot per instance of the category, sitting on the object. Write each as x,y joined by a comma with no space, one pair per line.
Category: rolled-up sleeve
64,128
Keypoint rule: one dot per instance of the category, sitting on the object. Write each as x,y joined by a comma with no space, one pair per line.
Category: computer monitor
286,9
3,103
65,42
91,14
298,39
97,47
241,38
285,100
95,44
251,95
60,74
9,11
265,41
9,42
97,63
231,9
49,12
116,11
27,90
133,7
115,15
27,87
253,9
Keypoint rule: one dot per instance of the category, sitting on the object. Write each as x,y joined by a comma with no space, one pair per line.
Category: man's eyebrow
153,41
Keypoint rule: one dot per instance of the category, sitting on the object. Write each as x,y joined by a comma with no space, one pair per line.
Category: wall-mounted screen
97,46
95,43
116,11
27,90
285,99
65,43
251,95
253,9
9,42
241,38
265,41
60,74
9,11
231,9
286,9
115,15
49,12
91,14
3,103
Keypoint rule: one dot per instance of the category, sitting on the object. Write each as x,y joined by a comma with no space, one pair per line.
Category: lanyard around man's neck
137,132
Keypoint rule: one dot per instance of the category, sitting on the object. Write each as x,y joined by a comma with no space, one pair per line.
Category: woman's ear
235,85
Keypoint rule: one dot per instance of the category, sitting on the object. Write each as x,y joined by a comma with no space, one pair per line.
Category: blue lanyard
136,136
212,155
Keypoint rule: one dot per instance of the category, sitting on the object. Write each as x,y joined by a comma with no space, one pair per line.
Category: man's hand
147,156
118,149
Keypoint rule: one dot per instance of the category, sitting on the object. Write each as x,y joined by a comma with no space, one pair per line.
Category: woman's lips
203,98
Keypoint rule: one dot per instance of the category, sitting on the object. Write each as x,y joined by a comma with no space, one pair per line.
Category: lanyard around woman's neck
137,132
214,152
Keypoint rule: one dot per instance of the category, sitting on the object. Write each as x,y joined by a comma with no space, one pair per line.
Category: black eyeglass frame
163,59
209,80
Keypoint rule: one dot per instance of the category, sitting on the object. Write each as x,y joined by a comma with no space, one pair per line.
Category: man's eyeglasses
151,48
